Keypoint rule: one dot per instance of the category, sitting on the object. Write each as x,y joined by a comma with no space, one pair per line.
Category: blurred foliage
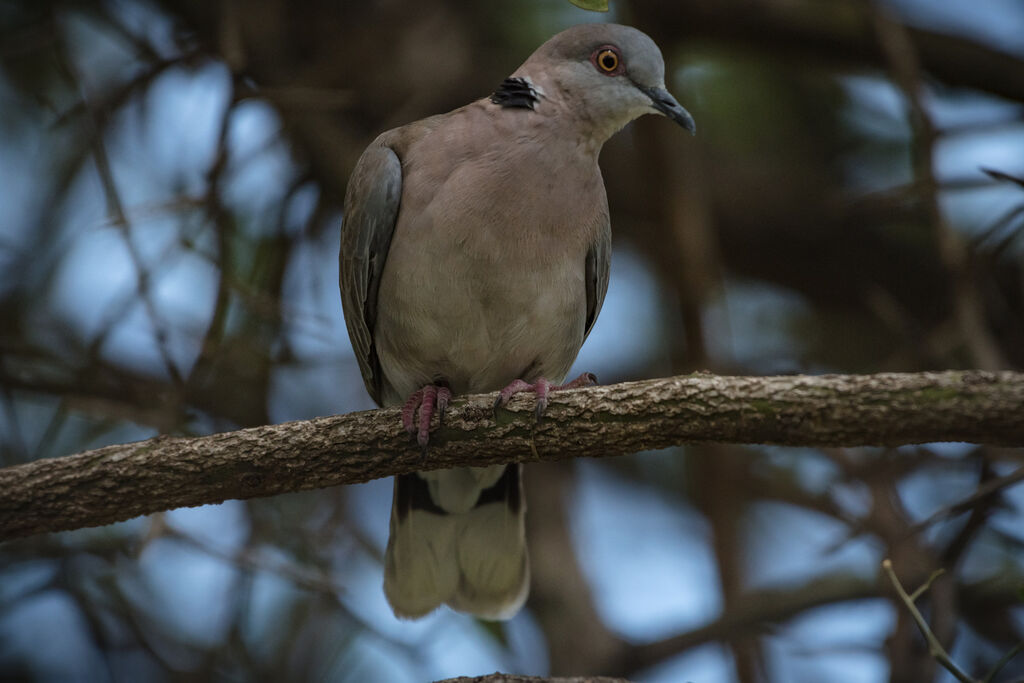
173,174
592,5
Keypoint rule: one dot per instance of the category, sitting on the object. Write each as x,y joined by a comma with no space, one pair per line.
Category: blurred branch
251,559
101,389
119,218
968,306
838,35
999,175
984,492
755,610
562,599
758,610
122,481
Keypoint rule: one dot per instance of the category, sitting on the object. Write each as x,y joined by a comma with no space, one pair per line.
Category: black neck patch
515,92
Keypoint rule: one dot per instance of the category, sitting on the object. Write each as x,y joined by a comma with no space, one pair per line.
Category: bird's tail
458,537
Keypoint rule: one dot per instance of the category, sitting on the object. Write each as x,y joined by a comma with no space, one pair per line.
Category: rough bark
497,677
122,481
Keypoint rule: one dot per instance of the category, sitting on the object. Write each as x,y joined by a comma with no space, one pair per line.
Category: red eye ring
608,60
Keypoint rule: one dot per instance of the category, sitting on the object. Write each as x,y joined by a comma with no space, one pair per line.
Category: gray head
606,74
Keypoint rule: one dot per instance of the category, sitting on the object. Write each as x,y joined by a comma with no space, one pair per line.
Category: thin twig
923,588
1003,661
934,646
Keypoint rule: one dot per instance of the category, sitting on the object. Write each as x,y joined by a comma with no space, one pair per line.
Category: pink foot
429,399
542,388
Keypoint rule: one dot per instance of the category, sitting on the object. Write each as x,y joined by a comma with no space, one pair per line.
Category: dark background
171,176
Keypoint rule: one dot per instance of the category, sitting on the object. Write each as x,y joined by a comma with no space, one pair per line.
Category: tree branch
120,482
498,677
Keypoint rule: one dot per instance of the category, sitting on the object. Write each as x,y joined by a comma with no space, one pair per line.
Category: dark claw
539,410
444,396
423,439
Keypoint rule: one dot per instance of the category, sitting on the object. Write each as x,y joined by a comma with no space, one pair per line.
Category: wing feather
372,201
598,264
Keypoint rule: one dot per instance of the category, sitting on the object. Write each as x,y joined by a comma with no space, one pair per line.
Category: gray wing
371,210
598,264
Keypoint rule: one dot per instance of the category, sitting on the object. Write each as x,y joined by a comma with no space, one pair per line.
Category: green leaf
592,5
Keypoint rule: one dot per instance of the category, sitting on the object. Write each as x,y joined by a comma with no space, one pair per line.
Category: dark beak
663,101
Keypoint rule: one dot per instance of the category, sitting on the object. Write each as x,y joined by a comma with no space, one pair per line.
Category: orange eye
607,60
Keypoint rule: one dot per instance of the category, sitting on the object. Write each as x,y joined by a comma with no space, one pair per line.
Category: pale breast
485,278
